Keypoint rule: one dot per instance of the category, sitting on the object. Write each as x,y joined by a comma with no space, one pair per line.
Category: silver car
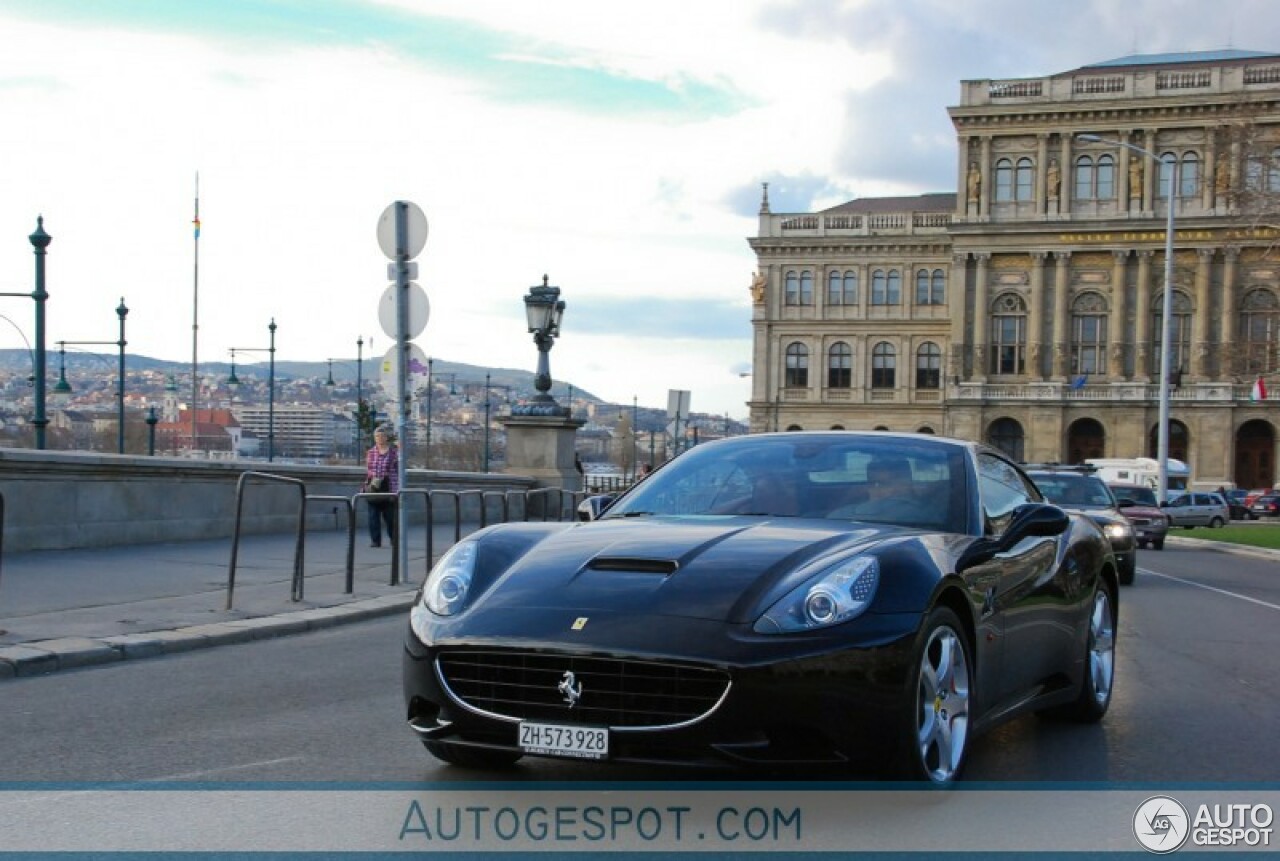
1198,509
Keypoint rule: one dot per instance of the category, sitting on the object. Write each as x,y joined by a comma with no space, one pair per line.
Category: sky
617,148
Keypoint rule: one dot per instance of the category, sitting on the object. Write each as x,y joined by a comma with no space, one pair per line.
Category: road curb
1226,547
43,657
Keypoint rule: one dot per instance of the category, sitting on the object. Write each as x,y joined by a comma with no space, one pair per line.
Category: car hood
1132,511
727,569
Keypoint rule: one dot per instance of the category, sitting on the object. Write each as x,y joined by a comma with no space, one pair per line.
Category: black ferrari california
777,600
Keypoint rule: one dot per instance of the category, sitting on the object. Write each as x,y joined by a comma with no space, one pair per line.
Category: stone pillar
981,319
1115,332
1035,317
1042,175
1124,192
1065,172
1142,314
542,447
1227,325
1061,315
958,289
984,164
1203,317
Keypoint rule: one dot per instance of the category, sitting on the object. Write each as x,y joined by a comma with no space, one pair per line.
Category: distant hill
19,360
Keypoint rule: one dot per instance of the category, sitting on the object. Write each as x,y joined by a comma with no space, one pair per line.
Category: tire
1100,660
1216,523
1129,573
1158,543
1142,545
471,757
935,731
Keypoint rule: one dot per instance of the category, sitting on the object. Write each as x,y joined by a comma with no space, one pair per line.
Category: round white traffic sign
418,311
416,230
391,369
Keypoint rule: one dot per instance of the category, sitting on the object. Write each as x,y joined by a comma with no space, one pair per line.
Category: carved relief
758,283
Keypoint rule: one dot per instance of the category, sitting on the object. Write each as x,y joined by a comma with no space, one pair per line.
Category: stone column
1203,317
984,165
1142,313
981,319
542,447
964,153
1227,325
1150,173
957,292
1064,170
1061,315
1124,192
1042,170
1210,177
1115,331
1035,316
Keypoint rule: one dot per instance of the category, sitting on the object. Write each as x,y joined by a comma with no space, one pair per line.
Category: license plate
577,742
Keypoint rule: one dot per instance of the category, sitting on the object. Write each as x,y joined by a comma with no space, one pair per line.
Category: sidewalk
63,609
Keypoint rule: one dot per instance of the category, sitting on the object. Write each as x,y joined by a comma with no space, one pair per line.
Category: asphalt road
1196,685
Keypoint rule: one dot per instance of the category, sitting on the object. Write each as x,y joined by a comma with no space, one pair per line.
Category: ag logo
1161,824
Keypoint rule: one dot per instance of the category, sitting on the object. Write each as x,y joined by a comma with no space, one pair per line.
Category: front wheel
1100,659
937,730
1158,544
1216,523
1129,572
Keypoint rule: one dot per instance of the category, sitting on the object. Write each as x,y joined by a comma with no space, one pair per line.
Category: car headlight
446,588
840,593
1118,531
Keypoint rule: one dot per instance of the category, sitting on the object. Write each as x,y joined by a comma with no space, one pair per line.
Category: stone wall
59,500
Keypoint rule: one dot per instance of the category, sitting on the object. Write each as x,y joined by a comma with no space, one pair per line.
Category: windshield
1074,491
850,477
1136,495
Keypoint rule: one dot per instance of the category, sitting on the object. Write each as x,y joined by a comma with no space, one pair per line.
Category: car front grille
613,692
1142,521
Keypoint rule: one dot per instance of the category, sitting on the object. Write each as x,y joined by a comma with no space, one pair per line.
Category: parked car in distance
1138,504
1078,488
1237,508
1197,509
1266,506
1254,495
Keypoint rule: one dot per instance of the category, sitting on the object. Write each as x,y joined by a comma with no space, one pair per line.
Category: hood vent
665,567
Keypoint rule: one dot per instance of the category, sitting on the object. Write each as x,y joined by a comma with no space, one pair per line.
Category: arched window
1024,177
1004,180
928,366
1106,186
925,429
1006,435
839,366
886,287
894,288
1008,335
884,365
1179,323
1084,177
1089,335
1166,174
797,365
799,288
1259,331
1273,172
930,287
1188,174
842,288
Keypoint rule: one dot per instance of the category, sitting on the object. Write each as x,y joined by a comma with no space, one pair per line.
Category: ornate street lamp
271,386
543,309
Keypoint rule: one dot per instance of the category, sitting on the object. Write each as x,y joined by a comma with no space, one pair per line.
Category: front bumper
786,703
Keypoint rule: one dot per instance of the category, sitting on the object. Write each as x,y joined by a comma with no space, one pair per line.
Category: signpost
677,408
402,234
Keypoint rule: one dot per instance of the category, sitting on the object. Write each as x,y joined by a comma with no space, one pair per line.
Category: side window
1002,489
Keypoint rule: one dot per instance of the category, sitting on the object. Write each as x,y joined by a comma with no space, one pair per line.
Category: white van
1144,471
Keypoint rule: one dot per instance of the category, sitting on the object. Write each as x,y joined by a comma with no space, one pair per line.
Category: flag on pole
196,222
1078,382
1259,390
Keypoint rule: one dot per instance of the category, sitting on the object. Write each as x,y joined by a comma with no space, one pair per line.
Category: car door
1022,604
1180,511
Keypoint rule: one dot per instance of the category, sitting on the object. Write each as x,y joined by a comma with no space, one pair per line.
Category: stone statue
1135,177
1222,178
1054,177
758,282
974,181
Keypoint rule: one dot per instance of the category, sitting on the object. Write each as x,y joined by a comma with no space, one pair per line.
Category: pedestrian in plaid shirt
382,467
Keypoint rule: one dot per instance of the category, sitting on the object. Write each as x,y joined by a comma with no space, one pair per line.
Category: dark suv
1078,488
1138,504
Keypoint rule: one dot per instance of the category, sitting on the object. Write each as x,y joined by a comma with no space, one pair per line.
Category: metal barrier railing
296,592
349,583
1,528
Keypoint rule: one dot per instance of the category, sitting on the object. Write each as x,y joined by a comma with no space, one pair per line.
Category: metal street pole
431,362
486,422
40,242
121,312
1166,312
359,398
271,395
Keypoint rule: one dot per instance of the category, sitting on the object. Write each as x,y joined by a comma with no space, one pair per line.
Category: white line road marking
1267,604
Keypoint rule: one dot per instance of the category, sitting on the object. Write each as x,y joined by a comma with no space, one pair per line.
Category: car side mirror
1034,519
593,506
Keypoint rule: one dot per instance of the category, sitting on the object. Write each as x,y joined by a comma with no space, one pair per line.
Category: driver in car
890,493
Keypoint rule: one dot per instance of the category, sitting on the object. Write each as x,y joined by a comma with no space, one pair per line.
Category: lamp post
543,309
1166,312
63,388
431,363
486,423
39,242
271,386
151,420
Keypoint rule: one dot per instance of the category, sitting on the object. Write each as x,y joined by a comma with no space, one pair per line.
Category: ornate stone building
1025,310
